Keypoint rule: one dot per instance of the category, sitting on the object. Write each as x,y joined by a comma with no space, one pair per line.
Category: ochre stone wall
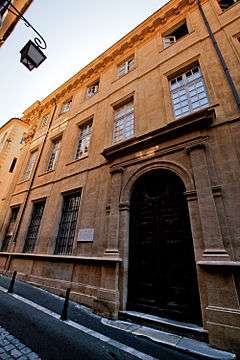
201,148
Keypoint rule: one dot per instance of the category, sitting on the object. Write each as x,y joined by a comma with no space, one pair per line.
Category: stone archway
162,273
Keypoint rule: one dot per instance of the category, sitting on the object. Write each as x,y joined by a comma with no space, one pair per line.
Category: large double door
162,273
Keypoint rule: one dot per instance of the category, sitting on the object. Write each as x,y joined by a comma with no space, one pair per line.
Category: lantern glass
31,55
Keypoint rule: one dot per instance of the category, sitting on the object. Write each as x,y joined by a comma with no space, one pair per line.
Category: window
33,227
66,106
123,122
125,67
84,139
13,165
21,142
68,222
54,155
173,36
30,165
188,92
93,89
10,228
225,4
44,121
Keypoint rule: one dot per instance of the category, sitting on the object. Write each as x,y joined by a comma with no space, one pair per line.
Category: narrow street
32,316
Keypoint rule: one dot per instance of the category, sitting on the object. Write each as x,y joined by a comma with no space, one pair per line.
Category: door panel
162,273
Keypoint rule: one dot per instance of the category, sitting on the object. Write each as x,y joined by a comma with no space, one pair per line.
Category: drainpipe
32,180
220,57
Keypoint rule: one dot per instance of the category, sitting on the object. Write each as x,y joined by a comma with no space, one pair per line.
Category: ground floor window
68,222
34,225
10,228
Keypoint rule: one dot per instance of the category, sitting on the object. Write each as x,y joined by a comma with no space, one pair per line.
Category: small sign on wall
85,235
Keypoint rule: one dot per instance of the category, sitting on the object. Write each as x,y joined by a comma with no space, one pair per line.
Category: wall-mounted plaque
85,235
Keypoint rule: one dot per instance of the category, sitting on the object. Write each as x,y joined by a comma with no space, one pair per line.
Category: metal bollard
64,314
11,285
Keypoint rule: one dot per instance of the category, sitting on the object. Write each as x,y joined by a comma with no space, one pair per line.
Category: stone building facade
128,186
11,140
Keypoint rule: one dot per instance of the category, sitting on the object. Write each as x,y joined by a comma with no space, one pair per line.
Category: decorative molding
197,121
116,169
217,190
191,195
136,36
124,206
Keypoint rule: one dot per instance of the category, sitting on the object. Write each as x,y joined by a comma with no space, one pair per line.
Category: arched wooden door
162,273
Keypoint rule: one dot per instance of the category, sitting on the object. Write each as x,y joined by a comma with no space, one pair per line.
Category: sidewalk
143,342
12,348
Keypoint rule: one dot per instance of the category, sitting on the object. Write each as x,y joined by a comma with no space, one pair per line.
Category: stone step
176,327
198,349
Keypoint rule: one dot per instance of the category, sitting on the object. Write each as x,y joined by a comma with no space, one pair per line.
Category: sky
76,32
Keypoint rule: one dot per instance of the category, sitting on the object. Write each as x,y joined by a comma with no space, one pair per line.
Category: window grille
10,229
188,92
33,228
123,122
67,226
93,89
125,67
84,140
44,121
30,165
56,145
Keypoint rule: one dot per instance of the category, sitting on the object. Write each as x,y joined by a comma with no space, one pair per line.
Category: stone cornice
132,39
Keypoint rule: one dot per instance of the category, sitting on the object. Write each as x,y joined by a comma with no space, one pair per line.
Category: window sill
46,172
76,160
121,76
177,42
23,181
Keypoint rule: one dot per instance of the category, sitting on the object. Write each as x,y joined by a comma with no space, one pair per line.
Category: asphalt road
52,339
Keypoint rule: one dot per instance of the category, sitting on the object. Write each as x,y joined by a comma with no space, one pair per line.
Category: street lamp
31,54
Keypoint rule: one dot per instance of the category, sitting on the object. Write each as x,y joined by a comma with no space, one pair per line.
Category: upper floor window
188,92
10,229
55,150
44,121
84,139
93,89
66,106
30,164
173,36
13,164
225,4
125,67
123,122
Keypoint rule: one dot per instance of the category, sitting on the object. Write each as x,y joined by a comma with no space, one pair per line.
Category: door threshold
177,327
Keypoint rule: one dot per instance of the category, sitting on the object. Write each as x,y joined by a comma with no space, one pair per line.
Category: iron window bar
33,228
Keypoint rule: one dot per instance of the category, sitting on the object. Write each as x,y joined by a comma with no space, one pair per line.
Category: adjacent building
11,139
127,189
9,19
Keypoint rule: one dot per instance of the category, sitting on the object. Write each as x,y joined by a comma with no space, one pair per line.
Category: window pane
54,155
30,165
188,92
123,122
84,140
